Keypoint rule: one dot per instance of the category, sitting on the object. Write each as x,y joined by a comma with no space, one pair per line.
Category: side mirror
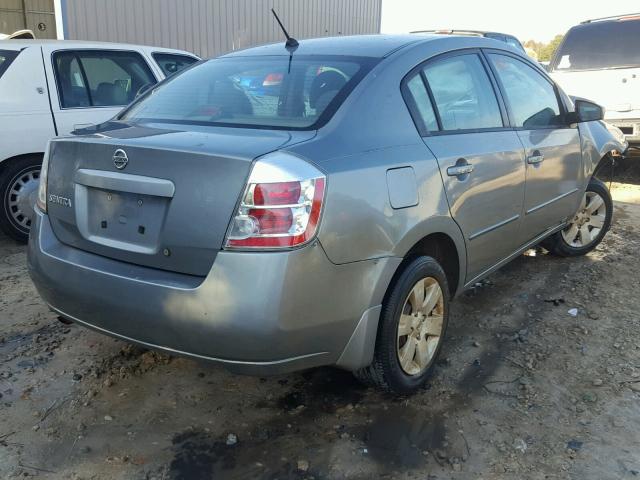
586,111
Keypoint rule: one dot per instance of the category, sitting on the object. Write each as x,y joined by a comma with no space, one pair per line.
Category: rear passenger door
552,147
91,86
463,122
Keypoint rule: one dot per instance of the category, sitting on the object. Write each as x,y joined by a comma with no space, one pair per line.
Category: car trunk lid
151,195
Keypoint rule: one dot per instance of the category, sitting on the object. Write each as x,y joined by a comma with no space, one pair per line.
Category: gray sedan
278,209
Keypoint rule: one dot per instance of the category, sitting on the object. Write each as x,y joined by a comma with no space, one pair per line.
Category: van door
90,86
553,152
481,161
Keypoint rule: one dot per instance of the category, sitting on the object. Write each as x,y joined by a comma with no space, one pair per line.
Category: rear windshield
6,57
276,92
600,45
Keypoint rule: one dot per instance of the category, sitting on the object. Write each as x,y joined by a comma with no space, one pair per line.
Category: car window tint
114,78
463,93
171,63
100,78
6,57
258,92
531,97
422,103
72,89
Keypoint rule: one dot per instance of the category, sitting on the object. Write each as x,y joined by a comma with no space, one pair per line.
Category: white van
600,60
50,88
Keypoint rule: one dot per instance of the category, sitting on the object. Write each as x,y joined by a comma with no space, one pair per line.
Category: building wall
36,15
212,27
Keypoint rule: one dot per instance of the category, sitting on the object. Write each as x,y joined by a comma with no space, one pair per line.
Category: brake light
41,199
281,205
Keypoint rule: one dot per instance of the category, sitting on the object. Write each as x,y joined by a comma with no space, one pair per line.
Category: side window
71,83
422,102
463,93
6,57
100,78
531,97
171,63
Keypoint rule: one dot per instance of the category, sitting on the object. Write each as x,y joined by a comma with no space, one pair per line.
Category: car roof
377,45
71,44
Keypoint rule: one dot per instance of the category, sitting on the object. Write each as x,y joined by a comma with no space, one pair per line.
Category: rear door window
100,78
421,104
463,94
6,57
171,63
531,97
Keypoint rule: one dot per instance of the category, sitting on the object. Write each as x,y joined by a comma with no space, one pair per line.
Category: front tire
411,330
589,225
19,179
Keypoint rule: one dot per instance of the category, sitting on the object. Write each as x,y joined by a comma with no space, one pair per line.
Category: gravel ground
524,390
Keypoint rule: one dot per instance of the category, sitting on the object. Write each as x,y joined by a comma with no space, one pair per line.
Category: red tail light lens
279,214
282,193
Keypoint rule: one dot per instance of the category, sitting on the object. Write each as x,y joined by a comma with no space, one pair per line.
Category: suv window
531,97
6,57
463,93
600,45
171,63
100,78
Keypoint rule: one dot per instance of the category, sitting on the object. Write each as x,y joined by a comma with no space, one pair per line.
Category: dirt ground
524,390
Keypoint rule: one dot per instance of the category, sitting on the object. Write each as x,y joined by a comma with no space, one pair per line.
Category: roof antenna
291,45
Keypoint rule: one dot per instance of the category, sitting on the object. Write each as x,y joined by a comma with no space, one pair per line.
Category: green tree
547,51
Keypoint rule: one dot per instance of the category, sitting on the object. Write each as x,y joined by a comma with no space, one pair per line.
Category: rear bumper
257,313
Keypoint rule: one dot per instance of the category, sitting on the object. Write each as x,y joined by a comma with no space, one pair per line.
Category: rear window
171,63
600,45
256,92
6,57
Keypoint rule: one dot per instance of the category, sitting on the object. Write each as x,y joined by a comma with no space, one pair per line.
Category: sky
538,20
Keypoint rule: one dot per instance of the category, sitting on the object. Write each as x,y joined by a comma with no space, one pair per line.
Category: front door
481,160
91,86
552,148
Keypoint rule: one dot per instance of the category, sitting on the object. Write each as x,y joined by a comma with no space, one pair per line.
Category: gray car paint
266,312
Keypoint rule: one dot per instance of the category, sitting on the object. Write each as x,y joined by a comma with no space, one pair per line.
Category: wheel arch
6,161
441,238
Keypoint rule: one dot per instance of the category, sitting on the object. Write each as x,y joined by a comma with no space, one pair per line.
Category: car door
93,85
462,122
552,147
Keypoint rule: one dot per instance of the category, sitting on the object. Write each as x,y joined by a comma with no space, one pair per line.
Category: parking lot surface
539,378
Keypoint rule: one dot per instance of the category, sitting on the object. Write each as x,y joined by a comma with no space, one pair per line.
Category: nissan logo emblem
120,159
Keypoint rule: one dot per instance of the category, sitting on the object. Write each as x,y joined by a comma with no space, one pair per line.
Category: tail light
41,200
281,205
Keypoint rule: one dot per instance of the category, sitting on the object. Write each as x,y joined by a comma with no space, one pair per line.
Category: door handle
535,159
459,170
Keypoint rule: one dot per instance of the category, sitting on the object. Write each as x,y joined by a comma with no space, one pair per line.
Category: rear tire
18,180
411,330
588,227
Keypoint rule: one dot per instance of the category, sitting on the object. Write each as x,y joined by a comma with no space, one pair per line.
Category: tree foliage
544,51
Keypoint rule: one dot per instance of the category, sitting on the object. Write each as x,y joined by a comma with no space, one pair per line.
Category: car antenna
291,44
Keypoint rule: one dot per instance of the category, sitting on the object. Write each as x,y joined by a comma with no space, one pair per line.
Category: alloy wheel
420,326
587,223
